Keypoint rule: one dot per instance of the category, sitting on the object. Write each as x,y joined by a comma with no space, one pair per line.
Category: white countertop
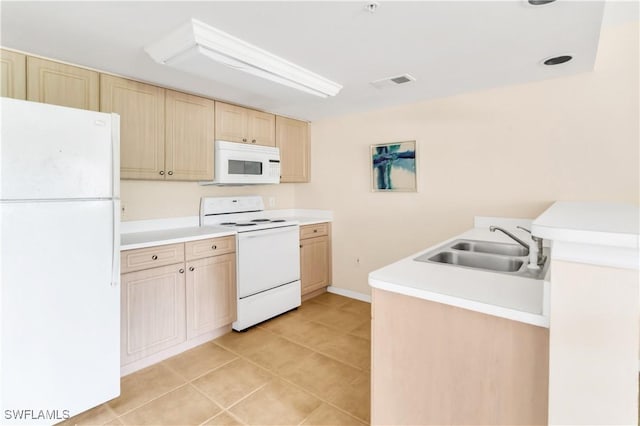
600,233
503,295
136,240
607,224
156,232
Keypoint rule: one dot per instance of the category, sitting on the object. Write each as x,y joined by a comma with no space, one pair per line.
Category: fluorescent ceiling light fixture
198,39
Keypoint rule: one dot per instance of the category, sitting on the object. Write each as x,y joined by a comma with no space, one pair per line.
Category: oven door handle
266,232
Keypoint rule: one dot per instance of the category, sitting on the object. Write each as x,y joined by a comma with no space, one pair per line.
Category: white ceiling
450,47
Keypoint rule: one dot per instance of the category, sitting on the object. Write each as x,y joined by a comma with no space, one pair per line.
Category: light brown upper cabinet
238,124
292,137
60,84
189,132
141,109
13,74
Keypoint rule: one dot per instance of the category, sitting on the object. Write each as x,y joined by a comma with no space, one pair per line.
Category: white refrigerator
59,261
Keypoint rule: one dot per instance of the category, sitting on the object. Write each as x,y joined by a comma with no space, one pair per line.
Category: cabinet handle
253,141
191,268
300,245
244,139
181,271
154,257
170,173
161,172
315,230
214,247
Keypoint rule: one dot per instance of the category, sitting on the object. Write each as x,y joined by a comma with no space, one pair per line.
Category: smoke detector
392,81
372,6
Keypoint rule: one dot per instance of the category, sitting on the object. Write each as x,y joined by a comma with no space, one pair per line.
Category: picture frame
394,167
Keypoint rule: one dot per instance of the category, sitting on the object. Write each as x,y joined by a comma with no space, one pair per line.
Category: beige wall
503,152
153,200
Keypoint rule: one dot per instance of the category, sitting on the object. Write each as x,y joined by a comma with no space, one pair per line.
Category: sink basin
504,258
491,247
471,260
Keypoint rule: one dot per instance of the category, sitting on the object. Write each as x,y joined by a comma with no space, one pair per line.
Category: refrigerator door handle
115,255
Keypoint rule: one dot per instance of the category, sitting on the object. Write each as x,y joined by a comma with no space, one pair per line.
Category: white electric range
268,257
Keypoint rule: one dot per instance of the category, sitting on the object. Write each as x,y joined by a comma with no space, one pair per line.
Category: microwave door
245,167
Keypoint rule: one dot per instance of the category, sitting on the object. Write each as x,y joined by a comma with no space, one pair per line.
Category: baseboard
174,350
349,293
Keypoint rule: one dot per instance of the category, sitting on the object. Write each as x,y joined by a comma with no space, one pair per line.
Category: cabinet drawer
139,259
316,230
210,247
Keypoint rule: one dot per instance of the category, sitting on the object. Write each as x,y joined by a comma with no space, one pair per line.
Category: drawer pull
181,271
315,230
154,257
191,268
253,141
213,247
244,139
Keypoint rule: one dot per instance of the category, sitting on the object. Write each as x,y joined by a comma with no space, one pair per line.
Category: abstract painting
393,166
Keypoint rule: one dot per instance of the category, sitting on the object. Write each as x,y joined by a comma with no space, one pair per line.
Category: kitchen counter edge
160,237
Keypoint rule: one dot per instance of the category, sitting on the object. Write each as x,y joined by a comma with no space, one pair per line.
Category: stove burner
278,220
246,224
228,223
261,220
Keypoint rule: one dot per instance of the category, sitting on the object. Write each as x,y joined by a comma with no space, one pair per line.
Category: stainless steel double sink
485,255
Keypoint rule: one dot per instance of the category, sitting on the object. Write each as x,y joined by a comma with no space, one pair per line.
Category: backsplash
154,200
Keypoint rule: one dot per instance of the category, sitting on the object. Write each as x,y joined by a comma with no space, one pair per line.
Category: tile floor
307,367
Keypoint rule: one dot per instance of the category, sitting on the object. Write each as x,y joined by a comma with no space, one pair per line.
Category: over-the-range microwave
244,164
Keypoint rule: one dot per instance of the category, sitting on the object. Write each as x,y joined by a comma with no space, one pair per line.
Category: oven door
267,259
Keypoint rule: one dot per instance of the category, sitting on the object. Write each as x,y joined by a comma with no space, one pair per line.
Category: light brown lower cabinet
211,293
315,257
153,311
173,293
439,364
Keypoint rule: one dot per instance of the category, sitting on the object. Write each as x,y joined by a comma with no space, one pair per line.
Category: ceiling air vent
392,81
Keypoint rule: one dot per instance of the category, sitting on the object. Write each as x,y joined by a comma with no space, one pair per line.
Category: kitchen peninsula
474,353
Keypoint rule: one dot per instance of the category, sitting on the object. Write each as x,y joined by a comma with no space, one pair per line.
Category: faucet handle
533,237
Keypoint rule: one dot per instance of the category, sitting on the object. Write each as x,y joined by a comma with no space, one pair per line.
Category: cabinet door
141,109
13,74
189,126
292,137
262,128
231,123
59,84
314,264
211,293
153,311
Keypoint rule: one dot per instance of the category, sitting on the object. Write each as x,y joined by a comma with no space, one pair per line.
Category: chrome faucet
510,235
538,241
